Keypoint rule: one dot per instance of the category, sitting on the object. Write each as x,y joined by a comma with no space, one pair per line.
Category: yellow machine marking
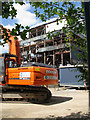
37,69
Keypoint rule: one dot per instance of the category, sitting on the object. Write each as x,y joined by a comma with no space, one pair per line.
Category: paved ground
64,103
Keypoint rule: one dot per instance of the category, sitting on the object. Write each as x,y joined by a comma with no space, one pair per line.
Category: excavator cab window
10,63
2,68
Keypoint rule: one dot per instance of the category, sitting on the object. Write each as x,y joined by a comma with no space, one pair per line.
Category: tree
73,14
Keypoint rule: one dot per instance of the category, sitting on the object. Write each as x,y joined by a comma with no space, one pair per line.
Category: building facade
39,48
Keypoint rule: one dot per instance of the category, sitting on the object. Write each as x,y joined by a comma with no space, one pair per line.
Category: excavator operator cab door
2,69
6,62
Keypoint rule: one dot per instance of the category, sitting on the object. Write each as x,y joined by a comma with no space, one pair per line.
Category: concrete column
44,52
23,52
53,58
61,37
61,58
36,32
36,54
29,53
44,57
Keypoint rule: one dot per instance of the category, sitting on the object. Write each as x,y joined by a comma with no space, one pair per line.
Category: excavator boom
14,48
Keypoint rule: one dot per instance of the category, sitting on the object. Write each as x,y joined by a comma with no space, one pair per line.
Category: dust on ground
65,104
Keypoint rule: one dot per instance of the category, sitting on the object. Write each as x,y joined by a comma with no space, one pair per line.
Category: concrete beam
55,47
26,42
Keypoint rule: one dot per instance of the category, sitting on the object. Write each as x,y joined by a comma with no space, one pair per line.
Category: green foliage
8,9
15,32
15,38
83,76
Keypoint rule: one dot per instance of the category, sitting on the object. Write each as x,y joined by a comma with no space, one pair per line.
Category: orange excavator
27,79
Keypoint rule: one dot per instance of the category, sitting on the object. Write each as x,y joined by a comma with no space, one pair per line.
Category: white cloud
4,49
9,26
24,16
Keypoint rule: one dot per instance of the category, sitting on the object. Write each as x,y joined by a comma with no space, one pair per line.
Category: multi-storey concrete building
38,48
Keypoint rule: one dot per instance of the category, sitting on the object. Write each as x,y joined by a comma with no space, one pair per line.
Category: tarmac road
64,103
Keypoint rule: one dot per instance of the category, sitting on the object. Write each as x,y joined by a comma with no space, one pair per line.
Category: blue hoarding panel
67,77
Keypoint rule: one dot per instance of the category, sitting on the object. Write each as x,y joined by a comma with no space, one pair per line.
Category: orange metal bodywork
37,76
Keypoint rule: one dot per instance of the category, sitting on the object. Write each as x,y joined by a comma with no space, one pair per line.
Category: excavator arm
14,48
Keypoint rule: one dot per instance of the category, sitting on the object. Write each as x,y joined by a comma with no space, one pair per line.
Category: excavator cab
7,61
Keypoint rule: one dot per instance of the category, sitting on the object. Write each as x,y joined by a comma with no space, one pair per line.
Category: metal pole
87,18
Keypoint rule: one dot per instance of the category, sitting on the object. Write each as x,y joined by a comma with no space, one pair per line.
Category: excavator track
34,94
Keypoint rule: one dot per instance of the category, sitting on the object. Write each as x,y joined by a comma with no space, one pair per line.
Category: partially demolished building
38,48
